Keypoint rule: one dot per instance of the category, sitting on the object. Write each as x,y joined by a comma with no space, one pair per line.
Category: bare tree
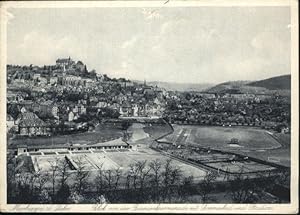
166,175
12,172
81,176
143,174
133,176
108,176
100,180
25,185
53,173
206,185
243,189
41,179
63,172
117,176
186,187
155,181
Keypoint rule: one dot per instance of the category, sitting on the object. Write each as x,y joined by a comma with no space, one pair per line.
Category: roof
63,60
29,119
9,118
79,63
47,103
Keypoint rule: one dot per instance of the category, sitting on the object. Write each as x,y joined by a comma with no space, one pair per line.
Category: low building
10,122
29,124
71,116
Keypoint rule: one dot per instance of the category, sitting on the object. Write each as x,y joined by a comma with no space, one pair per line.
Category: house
135,110
54,111
102,104
126,109
29,124
71,80
87,82
10,122
81,109
36,77
53,80
71,116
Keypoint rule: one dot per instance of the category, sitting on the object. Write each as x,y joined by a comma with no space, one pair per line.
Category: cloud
43,48
168,44
129,43
151,14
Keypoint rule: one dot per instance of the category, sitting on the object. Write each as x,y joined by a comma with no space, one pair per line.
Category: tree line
144,182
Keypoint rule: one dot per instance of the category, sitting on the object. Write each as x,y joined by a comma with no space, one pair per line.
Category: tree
81,176
76,198
100,180
44,196
63,194
142,173
186,188
12,172
63,172
170,177
53,174
155,180
243,189
206,186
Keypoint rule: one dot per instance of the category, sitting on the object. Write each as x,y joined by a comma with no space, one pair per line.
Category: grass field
100,134
219,137
253,142
157,130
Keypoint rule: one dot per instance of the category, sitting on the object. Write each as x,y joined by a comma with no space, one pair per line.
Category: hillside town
67,97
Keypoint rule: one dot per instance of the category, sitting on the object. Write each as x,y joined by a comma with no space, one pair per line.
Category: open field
236,167
253,142
157,130
100,134
220,137
110,160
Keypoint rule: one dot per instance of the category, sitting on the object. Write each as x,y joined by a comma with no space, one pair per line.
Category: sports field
219,137
100,134
110,160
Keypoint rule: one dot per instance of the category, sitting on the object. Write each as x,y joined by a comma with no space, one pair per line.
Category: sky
172,44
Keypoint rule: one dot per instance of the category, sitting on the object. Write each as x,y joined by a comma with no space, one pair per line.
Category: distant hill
276,83
227,87
279,84
171,86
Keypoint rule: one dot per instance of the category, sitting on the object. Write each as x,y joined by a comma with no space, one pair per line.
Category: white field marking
269,132
70,152
114,163
91,151
92,163
188,136
104,151
42,153
273,159
34,163
56,153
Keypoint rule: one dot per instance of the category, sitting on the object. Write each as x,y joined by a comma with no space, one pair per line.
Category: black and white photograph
112,104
